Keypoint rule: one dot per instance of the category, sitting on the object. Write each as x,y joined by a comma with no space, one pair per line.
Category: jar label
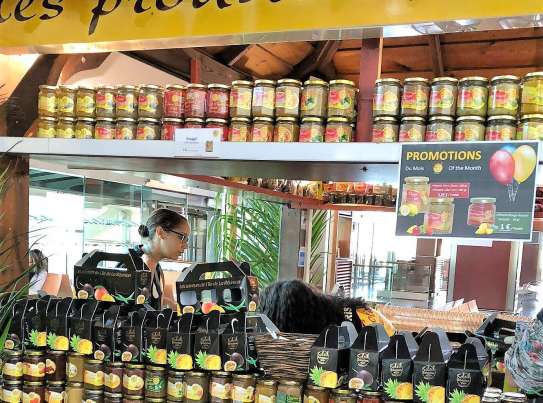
124,133
48,133
194,391
240,98
415,100
145,133
104,133
47,103
340,98
412,197
500,134
34,370
264,97
54,397
221,391
238,134
481,213
66,105
310,98
13,370
66,133
384,135
148,103
12,396
50,367
218,103
287,98
386,101
438,135
71,370
271,399
93,378
261,134
155,384
533,94
413,134
468,133
105,101
85,105
283,397
441,98
168,131
31,397
242,394
435,220
173,103
112,381
133,382
505,98
337,135
311,135
531,131
126,102
175,389
473,98
195,103
283,135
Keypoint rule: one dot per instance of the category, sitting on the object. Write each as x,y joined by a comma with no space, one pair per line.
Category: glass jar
195,101
386,97
54,392
155,382
287,98
66,98
239,129
85,104
55,366
105,102
530,127
439,217
469,128
262,130
314,99
312,130
287,130
134,380
415,97
482,210
503,97
472,97
175,390
218,101
501,128
93,396
196,386
33,392
113,377
126,102
65,128
47,127
47,101
125,129
219,124
74,392
412,129
93,377
194,123
113,397
12,370
220,387
369,396
415,194
263,104
84,128
315,394
133,399
148,129
105,129
385,130
513,397
341,99
266,391
150,101
439,128
532,94
12,391
243,388
343,396
75,365
34,366
443,96
338,130
174,101
241,99
169,126
289,392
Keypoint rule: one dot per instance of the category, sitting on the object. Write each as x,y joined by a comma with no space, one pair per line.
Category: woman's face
171,244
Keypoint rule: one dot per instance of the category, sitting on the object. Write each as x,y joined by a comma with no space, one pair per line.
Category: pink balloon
502,167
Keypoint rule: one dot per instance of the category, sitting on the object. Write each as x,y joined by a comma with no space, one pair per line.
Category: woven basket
285,357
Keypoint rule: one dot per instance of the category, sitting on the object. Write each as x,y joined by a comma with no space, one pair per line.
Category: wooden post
195,71
370,70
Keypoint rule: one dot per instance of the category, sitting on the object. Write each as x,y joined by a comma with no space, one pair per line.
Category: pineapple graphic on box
430,369
460,397
430,394
55,342
37,338
399,390
81,346
180,361
156,355
209,362
322,378
397,371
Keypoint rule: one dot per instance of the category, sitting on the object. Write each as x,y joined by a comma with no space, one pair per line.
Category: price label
513,223
197,143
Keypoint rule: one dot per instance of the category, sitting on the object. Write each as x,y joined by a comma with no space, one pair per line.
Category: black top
155,299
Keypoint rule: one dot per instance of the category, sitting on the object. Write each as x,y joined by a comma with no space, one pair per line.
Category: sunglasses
182,237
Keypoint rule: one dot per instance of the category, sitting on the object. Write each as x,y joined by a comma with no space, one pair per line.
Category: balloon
525,162
509,148
502,167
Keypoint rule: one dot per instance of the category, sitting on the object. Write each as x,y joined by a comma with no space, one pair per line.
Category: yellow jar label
532,93
416,100
383,135
340,99
105,101
47,103
71,370
66,105
261,134
176,389
85,105
112,381
133,382
145,133
264,97
413,134
287,98
472,98
66,133
441,98
238,134
14,370
194,392
311,135
31,397
93,378
34,370
221,391
240,98
55,397
386,101
504,97
126,102
84,133
283,135
148,103
46,133
271,399
530,131
243,394
124,133
12,396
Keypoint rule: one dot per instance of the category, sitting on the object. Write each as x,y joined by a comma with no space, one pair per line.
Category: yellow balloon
525,162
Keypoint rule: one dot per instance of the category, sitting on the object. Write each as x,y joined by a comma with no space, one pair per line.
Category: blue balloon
509,148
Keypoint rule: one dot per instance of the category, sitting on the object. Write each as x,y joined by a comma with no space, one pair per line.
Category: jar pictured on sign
241,99
175,390
220,388
532,94
174,101
415,97
125,129
74,392
47,127
239,129
155,382
443,96
312,130
341,99
286,130
105,129
289,392
54,392
385,130
219,124
263,104
386,97
148,129
503,97
33,392
93,377
55,366
105,101
113,397
12,391
439,217
472,96
169,126
66,96
287,98
343,396
150,100
85,104
12,370
65,128
370,396
47,101
134,380
530,127
482,210
75,364
262,130
314,99
34,366
194,123
501,128
266,391
440,128
415,194
196,385
113,377
195,101
126,102
243,388
469,128
338,130
412,129
93,396
218,101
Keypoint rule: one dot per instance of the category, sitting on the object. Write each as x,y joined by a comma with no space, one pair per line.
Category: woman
38,264
164,236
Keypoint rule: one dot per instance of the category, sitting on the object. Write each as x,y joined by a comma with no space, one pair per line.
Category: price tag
199,143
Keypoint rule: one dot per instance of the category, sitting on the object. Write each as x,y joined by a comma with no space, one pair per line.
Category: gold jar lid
502,117
68,120
448,80
286,119
55,383
531,116
148,120
86,88
218,86
536,74
115,364
85,120
435,118
48,118
127,120
343,392
505,78
56,352
241,120
473,78
151,87
28,383
175,87
290,383
71,88
220,373
74,385
172,120
388,119
420,80
264,82
196,374
441,200
216,120
194,120
127,87
470,118
47,87
6,382
13,352
315,387
342,82
262,119
417,179
311,120
115,395
110,120
371,393
155,368
338,120
105,88
242,83
243,376
267,382
135,366
416,119
388,81
93,362
316,82
289,81
74,354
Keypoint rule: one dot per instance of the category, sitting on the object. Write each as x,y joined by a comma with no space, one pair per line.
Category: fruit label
105,101
412,196
271,399
12,395
413,134
84,133
283,397
221,391
155,384
148,103
473,98
241,394
340,98
133,382
240,98
533,94
481,213
386,101
438,135
261,134
50,367
176,390
312,134
66,104
66,133
34,370
468,132
54,397
104,133
145,133
337,134
435,220
313,97
264,97
441,98
31,397
46,132
126,102
383,135
218,103
194,392
85,105
415,100
112,381
531,131
173,103
13,370
505,97
47,103
71,370
195,103
93,378
124,133
283,135
287,98
168,131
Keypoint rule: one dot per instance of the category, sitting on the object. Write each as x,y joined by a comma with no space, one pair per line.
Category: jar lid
316,82
28,383
413,119
416,80
149,120
220,373
468,118
218,86
216,120
70,120
13,352
155,368
384,119
57,352
387,81
105,87
105,119
535,74
175,87
344,392
129,120
194,120
441,200
55,383
241,120
197,374
289,81
243,376
267,382
88,120
513,397
290,383
94,392
154,400
150,87
507,78
127,87
242,83
86,88
451,80
314,387
417,179
49,118
47,87
371,393
474,78
116,364
75,384
264,82
482,200
262,119
172,120
315,120
12,382
343,82
495,395
532,116
113,395
447,118
502,117
74,354
93,362
338,120
34,353
176,374
286,119
68,87
493,390
135,366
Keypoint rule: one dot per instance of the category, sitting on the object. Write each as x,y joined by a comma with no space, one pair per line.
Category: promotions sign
467,190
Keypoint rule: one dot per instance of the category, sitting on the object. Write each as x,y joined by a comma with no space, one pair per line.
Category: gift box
157,325
180,343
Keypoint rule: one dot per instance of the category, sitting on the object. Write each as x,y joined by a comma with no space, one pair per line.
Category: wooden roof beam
435,52
319,60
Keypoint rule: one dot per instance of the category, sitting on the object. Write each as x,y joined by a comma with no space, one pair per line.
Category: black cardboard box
465,383
397,370
207,343
180,343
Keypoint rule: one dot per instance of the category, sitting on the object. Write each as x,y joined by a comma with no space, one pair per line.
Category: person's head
37,261
165,235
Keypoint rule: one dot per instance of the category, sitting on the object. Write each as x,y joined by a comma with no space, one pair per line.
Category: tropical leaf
319,225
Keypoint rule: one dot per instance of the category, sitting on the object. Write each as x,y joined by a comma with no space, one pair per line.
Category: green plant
319,224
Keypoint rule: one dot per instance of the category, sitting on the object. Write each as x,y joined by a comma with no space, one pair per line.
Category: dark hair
295,307
165,218
39,261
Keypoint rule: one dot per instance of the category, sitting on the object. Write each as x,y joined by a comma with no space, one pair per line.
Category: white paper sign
199,143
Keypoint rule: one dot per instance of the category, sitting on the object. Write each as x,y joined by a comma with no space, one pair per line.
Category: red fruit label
412,196
168,131
104,133
378,134
430,136
217,104
238,134
105,101
434,220
195,103
174,101
493,135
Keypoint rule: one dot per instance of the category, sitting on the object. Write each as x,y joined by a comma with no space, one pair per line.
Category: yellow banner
26,23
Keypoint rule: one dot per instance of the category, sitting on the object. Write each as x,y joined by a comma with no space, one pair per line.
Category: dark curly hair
295,307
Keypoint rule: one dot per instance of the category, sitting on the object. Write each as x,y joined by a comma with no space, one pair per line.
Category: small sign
198,143
477,190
